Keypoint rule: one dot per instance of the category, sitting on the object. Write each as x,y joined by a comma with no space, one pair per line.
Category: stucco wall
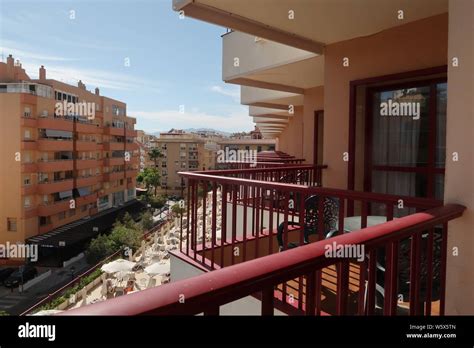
459,182
417,45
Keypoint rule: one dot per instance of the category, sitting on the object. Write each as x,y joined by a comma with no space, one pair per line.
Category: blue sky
173,61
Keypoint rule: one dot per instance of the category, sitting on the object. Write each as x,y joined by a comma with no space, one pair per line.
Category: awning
83,191
65,194
53,133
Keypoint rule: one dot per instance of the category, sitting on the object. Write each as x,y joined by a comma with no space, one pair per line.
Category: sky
173,62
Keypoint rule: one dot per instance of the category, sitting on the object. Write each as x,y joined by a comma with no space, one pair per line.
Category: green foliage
146,221
3,314
156,202
100,247
154,155
151,178
123,236
73,290
177,210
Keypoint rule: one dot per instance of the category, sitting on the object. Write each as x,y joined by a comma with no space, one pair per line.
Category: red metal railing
232,220
292,174
206,293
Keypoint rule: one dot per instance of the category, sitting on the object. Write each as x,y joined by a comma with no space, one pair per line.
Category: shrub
100,247
146,221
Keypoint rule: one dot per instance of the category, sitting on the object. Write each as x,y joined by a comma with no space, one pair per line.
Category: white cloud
233,92
91,77
236,120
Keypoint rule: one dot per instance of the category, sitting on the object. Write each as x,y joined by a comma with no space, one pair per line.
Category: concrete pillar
459,181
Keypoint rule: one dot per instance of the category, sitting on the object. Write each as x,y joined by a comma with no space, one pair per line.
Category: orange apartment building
315,75
59,168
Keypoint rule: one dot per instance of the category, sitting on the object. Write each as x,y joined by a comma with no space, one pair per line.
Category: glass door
406,139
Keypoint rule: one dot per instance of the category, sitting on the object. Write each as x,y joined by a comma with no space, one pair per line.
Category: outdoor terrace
241,229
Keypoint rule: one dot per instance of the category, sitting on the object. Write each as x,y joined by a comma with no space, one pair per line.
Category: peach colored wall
417,45
313,101
10,175
459,182
291,138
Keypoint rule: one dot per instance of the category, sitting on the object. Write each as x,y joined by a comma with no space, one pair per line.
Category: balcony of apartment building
88,180
114,174
346,238
130,145
114,145
54,207
114,128
49,183
54,122
258,239
87,163
59,161
84,125
52,140
117,158
86,144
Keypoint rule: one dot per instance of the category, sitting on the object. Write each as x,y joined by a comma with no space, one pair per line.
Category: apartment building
248,144
181,152
60,166
145,142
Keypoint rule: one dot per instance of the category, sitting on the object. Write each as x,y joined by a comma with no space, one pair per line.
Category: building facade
68,153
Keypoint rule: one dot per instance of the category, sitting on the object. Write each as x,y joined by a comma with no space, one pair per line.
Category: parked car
5,273
24,274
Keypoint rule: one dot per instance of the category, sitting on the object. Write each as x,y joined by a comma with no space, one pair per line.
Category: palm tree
154,155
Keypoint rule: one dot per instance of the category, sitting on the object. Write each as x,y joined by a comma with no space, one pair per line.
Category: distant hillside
194,130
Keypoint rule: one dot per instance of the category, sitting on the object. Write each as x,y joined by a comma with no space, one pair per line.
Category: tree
154,155
100,247
178,210
151,178
146,221
122,236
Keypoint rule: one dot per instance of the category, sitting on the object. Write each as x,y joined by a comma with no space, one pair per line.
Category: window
44,220
26,181
11,224
183,164
27,202
27,112
62,215
27,134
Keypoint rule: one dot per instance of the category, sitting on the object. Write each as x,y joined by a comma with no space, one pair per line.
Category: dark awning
53,133
83,191
85,229
65,194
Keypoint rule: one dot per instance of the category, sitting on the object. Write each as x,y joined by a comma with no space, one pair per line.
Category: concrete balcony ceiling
316,23
269,98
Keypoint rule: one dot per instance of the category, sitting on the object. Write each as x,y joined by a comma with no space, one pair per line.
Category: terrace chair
404,270
310,225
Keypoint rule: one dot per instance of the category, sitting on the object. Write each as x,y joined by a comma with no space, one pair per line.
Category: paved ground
14,302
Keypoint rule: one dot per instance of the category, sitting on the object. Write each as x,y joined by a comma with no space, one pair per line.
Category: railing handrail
210,290
325,191
224,172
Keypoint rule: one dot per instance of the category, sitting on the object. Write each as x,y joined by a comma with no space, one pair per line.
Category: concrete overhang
269,98
310,24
